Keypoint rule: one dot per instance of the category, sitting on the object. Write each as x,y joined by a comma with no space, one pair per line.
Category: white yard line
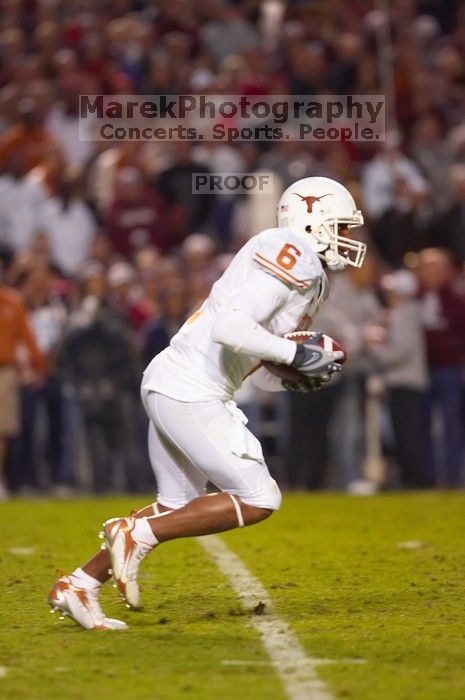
316,662
295,669
22,551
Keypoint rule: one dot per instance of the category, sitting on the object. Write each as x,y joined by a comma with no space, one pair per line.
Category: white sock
83,580
143,532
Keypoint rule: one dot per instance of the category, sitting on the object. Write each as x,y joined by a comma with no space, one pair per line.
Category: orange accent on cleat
81,605
126,554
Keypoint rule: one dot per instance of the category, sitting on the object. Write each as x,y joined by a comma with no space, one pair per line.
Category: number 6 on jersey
287,256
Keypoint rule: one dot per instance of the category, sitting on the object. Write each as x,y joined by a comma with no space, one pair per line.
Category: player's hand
314,361
304,387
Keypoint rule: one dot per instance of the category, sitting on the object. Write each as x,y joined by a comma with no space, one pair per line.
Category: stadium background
110,252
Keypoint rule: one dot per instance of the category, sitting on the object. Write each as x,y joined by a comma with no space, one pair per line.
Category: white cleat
126,555
81,605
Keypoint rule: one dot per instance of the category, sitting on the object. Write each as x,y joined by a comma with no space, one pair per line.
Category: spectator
221,158
450,228
101,251
398,348
136,218
104,168
189,211
443,315
406,226
308,68
267,48
429,149
198,257
20,202
48,317
99,361
63,120
126,296
69,226
351,306
288,160
228,33
16,332
27,140
380,175
156,335
343,73
175,305
147,260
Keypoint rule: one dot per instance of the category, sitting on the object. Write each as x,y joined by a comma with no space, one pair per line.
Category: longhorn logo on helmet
310,201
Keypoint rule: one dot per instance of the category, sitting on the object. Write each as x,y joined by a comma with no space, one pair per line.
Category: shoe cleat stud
103,546
101,535
110,572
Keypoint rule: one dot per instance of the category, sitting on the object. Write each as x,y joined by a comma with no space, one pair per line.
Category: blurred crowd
105,250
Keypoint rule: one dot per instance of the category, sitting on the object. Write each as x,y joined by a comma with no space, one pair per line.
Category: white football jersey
194,367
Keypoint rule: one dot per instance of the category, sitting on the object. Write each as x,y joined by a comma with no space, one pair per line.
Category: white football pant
192,443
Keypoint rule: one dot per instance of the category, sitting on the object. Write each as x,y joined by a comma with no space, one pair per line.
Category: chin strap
334,261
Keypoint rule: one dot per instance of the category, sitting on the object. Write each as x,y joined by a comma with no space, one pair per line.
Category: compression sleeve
237,325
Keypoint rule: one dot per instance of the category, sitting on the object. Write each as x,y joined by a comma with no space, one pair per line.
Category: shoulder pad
286,256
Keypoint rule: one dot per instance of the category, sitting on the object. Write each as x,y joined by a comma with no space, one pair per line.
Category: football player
275,284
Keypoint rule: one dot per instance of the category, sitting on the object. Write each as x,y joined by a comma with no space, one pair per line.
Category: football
293,374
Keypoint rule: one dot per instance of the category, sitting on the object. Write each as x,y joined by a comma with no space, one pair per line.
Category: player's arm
238,325
264,380
238,328
281,267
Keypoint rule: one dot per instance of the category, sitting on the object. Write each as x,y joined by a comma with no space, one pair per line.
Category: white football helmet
319,208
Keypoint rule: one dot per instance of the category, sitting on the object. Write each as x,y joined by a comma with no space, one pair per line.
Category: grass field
332,565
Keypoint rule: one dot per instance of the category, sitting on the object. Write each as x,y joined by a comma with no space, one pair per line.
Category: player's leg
178,483
77,595
216,444
219,444
175,490
208,515
99,566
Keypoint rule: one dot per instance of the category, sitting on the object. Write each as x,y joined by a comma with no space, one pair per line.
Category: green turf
191,622
331,563
335,570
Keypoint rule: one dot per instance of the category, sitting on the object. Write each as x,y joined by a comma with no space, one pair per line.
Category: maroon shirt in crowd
443,314
132,224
